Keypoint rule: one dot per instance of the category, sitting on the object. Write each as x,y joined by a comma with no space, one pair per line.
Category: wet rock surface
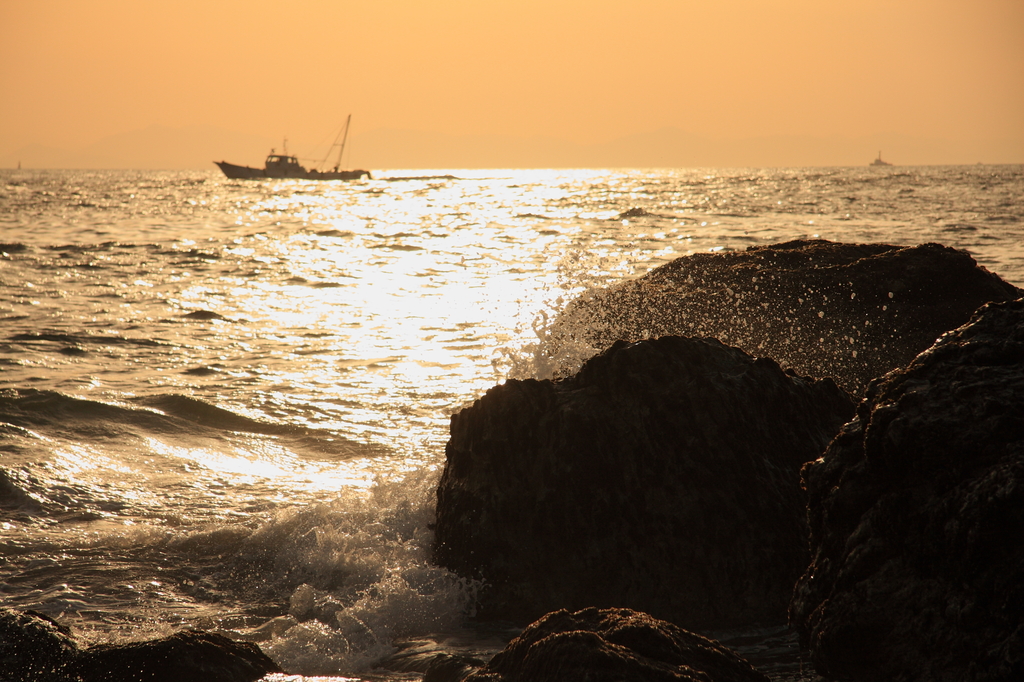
772,650
663,477
35,647
602,645
916,514
849,311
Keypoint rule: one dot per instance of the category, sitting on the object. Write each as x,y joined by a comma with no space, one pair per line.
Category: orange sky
587,72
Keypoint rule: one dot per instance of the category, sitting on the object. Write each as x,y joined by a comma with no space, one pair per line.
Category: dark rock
185,655
849,311
35,648
611,645
663,477
916,515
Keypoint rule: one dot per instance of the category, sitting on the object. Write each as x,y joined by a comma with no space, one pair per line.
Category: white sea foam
366,579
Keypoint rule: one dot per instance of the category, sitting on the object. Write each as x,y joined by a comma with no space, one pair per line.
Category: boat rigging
282,166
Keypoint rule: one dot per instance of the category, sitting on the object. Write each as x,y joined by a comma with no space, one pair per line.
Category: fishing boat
282,166
879,162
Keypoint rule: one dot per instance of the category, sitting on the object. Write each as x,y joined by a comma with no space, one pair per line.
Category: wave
14,494
65,415
61,415
323,588
204,315
355,575
407,178
32,418
79,339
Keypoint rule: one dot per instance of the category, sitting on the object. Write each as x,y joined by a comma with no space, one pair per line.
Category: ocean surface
224,404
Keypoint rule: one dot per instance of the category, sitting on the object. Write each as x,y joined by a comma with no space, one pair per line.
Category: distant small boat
283,166
879,162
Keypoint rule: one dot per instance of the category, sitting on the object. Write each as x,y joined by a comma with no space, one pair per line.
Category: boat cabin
281,163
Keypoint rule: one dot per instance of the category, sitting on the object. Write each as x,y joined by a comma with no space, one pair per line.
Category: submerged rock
603,645
35,647
663,477
849,311
916,514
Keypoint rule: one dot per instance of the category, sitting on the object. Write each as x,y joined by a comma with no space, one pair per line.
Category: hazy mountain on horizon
197,147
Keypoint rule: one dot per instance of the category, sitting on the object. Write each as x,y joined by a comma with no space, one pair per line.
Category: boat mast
343,140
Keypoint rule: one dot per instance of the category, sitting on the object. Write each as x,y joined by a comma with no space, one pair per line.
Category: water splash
357,577
546,353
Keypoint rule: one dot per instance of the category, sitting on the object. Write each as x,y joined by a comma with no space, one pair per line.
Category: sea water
224,404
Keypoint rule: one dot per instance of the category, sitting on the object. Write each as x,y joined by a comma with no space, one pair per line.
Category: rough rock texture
916,514
605,645
849,311
664,477
34,647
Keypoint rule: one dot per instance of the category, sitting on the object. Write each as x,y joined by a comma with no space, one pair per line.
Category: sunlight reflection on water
360,316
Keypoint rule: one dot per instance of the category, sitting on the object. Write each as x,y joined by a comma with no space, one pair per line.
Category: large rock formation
916,514
664,477
603,645
35,647
849,311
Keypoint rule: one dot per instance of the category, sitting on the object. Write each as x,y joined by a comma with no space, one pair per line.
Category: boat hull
236,172
239,172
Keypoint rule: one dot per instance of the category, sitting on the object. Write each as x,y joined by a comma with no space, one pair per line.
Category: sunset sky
73,73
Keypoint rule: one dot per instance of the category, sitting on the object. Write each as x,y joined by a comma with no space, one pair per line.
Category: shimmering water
224,404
